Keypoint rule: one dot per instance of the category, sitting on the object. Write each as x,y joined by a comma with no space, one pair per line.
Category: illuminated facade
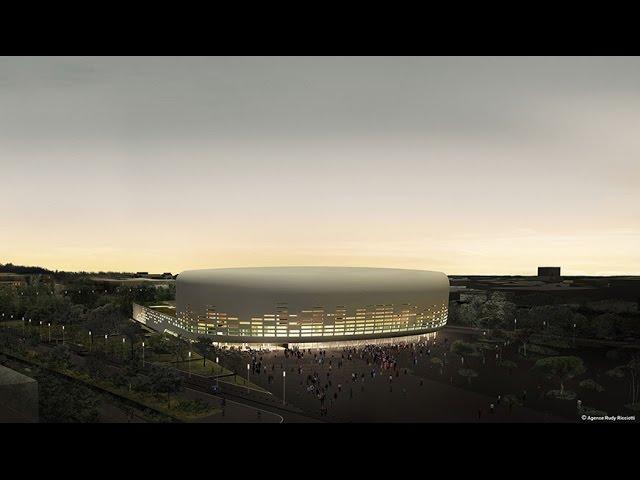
304,305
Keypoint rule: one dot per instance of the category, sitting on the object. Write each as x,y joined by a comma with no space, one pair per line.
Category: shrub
590,384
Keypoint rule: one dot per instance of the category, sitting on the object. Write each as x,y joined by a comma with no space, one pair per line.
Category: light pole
248,369
105,342
574,334
284,382
189,363
218,374
142,354
49,325
123,342
63,334
90,341
515,324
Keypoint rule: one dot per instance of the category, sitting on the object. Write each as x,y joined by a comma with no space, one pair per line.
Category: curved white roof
255,291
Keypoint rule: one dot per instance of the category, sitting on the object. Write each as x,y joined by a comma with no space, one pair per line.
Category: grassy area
208,369
242,382
196,367
157,402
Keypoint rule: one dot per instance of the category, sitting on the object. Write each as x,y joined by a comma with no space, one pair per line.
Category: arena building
297,306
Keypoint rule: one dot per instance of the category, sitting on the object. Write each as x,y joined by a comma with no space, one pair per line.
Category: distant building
13,279
155,276
549,274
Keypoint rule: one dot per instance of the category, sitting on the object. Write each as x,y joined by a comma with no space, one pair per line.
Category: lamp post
574,334
142,354
248,369
189,363
90,341
284,382
105,342
515,324
24,327
218,375
123,342
40,330
63,334
49,325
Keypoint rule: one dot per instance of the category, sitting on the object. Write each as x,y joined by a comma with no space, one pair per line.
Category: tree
104,319
497,312
462,348
559,369
509,365
590,384
631,369
63,401
522,336
95,366
165,380
131,331
468,313
58,357
179,348
203,346
604,325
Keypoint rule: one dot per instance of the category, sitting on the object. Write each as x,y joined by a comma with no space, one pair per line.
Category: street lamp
105,342
142,354
63,334
248,369
49,325
189,363
574,334
218,375
123,342
90,341
515,324
284,378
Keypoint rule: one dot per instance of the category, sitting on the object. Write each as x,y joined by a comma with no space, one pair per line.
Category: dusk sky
462,165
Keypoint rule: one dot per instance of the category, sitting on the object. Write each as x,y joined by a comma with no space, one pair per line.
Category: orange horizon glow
469,166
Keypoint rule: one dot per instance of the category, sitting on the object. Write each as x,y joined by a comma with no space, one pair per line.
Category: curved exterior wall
310,304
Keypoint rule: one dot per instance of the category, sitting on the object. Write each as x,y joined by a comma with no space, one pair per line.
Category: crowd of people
321,372
328,379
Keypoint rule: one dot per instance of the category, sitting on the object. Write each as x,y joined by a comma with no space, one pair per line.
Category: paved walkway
234,412
404,399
